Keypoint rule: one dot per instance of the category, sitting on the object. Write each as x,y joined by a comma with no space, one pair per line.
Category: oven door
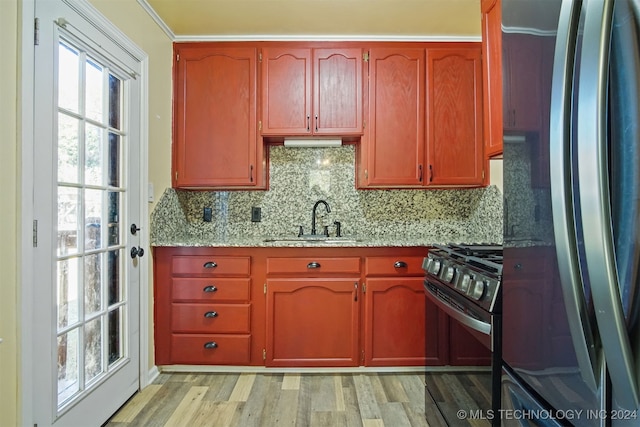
459,307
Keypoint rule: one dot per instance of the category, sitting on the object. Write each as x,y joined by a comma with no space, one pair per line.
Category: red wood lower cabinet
312,322
401,327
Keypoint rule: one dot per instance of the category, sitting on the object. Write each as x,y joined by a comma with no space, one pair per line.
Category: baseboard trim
317,370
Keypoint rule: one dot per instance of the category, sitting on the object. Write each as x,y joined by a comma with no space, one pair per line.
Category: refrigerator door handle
593,174
561,193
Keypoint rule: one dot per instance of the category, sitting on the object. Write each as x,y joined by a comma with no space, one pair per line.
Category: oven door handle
475,324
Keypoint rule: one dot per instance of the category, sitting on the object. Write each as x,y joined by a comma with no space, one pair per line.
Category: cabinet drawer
228,349
213,318
188,289
309,265
394,266
211,265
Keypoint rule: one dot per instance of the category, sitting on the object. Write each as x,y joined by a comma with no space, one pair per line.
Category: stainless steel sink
312,239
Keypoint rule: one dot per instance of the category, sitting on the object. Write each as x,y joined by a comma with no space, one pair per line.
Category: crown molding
152,13
344,37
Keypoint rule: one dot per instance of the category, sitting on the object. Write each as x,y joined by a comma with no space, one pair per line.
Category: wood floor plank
270,408
160,408
378,389
286,408
393,388
339,394
352,410
251,411
393,414
366,401
242,389
303,417
291,382
136,404
218,414
373,423
322,393
327,419
226,384
187,407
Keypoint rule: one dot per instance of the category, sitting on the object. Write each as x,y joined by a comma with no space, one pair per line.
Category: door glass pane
93,214
92,283
114,210
68,78
113,276
114,159
68,368
115,338
115,99
68,150
93,365
67,292
94,90
68,220
93,155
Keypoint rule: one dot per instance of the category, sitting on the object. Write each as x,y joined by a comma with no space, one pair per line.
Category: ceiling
400,19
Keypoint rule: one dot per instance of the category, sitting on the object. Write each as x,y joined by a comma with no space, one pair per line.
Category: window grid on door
91,301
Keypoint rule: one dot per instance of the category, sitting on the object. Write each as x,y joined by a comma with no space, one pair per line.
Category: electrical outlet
256,214
207,214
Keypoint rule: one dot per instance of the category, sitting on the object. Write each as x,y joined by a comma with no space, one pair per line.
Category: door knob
137,252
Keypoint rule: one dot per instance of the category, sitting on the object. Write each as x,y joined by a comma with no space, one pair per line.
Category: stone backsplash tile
301,176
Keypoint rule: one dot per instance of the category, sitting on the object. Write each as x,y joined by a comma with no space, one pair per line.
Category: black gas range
464,281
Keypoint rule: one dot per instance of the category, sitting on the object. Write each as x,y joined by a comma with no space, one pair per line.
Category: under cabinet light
312,142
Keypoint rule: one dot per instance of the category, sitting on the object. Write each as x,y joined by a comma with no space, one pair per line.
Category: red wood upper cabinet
215,109
393,149
492,77
311,91
454,111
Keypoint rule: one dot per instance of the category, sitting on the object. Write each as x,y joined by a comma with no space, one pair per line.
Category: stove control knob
478,289
448,273
464,283
435,267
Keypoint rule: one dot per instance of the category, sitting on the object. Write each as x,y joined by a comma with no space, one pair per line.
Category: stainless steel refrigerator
571,336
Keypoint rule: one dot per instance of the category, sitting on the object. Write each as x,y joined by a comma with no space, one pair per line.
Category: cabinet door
395,327
492,77
454,106
286,91
312,322
394,153
522,62
215,137
337,94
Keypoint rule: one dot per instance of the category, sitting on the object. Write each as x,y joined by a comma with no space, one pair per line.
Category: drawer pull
517,266
210,264
400,264
210,345
211,314
313,265
209,288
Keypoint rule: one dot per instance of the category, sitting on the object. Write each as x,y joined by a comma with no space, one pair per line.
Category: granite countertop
292,241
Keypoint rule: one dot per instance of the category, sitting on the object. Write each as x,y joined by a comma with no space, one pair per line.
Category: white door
86,200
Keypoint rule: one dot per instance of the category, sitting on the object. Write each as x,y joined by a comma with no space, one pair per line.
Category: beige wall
9,226
132,20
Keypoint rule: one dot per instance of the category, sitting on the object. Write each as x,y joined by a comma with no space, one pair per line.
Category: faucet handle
338,229
300,231
326,231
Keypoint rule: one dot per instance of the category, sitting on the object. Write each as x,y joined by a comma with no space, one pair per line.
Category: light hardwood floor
276,399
